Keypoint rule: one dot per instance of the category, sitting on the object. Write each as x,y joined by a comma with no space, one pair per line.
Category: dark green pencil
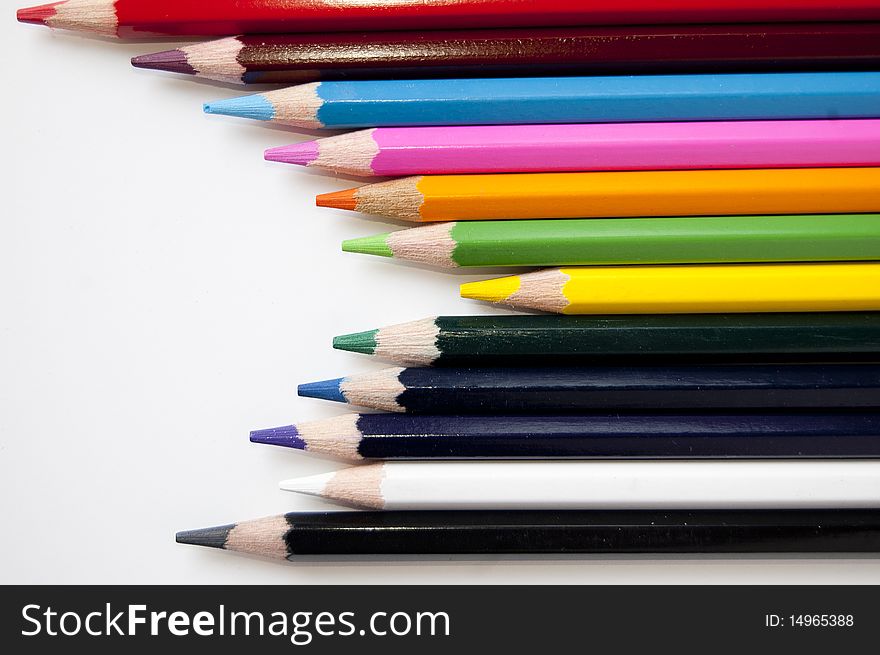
555,340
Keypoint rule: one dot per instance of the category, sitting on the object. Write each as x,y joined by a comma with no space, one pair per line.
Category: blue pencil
613,99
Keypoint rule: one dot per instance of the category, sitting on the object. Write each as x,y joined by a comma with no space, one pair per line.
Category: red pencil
143,18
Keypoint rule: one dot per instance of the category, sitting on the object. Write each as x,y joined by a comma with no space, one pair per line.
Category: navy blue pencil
433,390
594,436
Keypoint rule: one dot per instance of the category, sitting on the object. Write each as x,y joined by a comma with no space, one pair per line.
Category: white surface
163,291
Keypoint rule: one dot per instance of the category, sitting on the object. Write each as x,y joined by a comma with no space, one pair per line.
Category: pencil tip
338,199
171,61
497,290
323,390
208,537
301,154
287,436
37,15
357,342
372,245
255,107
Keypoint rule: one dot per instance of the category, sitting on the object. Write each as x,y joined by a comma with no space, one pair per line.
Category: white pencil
599,485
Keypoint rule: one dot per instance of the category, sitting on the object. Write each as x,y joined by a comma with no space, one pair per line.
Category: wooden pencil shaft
847,286
563,340
545,100
633,193
396,151
686,240
670,484
620,436
534,390
150,18
496,532
296,58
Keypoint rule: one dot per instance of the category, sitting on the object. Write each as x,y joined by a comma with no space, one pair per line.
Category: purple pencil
590,147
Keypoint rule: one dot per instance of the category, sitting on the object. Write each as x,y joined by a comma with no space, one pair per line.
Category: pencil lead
497,290
311,485
286,436
300,154
171,61
37,15
357,342
338,199
255,107
372,245
208,537
323,390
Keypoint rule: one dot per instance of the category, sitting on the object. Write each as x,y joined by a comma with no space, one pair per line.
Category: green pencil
523,340
678,240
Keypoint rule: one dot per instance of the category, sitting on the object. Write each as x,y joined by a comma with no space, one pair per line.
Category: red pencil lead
37,15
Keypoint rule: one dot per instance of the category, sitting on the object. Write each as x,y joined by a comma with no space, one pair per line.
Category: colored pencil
608,99
632,193
600,485
358,437
566,340
388,151
572,389
688,289
597,241
146,18
511,532
297,58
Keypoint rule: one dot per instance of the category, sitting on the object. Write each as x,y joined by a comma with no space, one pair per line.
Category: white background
163,291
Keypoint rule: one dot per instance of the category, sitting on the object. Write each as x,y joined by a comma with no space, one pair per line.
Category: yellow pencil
634,193
688,289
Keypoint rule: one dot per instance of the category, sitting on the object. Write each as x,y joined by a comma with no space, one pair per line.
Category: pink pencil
590,147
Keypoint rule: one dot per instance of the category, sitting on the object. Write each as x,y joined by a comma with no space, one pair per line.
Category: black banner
425,620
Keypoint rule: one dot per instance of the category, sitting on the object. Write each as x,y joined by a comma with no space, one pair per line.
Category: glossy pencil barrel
518,339
591,436
133,18
296,58
551,532
688,240
533,100
848,286
577,389
437,198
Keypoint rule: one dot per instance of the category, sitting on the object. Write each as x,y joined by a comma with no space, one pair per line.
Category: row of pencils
699,185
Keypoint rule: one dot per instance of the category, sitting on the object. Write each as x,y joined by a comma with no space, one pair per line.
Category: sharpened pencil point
497,290
255,107
372,245
323,390
171,61
300,154
357,342
208,537
338,199
37,15
286,436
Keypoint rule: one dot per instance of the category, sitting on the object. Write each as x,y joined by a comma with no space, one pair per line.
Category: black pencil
586,436
550,340
432,390
295,58
511,532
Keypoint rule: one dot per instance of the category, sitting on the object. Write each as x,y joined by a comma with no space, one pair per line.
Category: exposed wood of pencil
671,338
498,532
297,58
688,289
501,390
600,485
634,193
